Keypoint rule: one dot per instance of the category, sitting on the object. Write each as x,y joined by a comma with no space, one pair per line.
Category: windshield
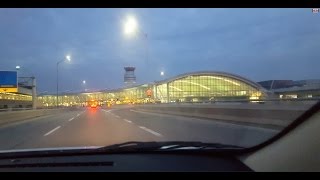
75,78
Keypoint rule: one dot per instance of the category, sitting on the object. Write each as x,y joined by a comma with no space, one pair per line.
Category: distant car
93,106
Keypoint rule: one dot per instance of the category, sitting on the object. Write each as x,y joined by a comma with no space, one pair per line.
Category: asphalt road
101,127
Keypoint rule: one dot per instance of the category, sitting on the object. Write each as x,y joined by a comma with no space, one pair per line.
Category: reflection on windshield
101,77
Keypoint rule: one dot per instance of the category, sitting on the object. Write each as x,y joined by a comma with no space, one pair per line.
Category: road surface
101,127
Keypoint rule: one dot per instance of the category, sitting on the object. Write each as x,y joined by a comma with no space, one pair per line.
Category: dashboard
124,162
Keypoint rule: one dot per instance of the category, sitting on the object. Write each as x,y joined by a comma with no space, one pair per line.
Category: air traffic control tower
129,77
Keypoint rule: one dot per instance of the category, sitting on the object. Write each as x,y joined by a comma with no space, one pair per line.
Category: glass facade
199,88
188,88
127,95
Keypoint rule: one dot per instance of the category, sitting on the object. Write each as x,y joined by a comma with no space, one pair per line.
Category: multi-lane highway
101,127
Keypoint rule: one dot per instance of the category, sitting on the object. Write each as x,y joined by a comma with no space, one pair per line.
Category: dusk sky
259,44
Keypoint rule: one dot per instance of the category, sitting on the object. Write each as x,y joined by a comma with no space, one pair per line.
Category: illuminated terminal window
193,88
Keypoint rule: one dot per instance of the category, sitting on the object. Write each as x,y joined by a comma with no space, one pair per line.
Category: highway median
268,116
16,116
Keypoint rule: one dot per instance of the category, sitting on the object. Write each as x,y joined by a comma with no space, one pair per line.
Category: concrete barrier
5,103
250,114
14,116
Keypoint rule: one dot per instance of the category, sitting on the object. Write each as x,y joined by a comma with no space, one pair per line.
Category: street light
18,68
25,70
131,27
68,58
25,84
84,84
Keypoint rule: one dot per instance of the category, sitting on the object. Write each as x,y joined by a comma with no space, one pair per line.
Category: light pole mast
68,58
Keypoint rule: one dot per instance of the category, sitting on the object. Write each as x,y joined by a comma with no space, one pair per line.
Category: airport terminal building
190,87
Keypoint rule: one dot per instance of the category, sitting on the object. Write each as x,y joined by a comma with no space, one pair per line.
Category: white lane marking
52,130
108,111
150,131
117,116
71,119
141,112
150,113
127,120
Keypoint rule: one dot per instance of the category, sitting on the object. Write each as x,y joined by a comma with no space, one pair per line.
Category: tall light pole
131,28
33,85
24,70
67,58
84,84
18,74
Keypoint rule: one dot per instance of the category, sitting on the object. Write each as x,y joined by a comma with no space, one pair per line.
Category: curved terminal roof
213,73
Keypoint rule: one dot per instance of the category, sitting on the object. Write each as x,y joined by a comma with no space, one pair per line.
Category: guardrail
15,116
266,115
315,99
38,108
14,109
